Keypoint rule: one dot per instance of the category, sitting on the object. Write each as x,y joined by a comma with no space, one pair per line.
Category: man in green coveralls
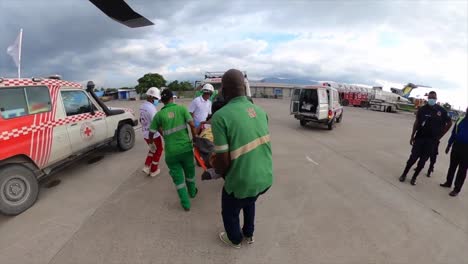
171,122
243,157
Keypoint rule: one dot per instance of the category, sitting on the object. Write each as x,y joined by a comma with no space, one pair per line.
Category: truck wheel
125,137
331,124
338,120
18,189
389,109
345,102
303,123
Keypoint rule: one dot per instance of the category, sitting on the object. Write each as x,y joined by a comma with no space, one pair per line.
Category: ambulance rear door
324,103
294,107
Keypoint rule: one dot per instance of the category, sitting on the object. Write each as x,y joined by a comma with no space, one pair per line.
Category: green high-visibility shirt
172,120
241,128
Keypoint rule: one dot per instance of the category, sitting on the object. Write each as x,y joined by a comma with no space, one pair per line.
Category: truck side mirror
92,107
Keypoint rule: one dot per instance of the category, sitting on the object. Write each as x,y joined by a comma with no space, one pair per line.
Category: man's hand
195,140
222,162
152,147
192,128
411,141
447,150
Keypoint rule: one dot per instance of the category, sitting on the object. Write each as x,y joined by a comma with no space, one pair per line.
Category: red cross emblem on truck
87,131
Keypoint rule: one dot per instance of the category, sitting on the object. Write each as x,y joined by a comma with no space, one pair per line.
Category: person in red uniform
147,111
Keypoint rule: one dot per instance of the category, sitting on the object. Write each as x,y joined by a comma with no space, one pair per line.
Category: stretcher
199,159
203,152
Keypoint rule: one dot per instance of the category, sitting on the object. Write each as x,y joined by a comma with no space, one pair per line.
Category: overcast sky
367,42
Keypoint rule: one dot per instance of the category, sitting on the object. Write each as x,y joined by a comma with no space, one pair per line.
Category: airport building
271,90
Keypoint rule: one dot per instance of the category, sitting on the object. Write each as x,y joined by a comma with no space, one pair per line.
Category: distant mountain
299,81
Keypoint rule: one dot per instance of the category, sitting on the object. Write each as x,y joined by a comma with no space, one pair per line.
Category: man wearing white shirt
147,111
200,108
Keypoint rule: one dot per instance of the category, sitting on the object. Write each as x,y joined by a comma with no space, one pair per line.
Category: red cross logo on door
87,131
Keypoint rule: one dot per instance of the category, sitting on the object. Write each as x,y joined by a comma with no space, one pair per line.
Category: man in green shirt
171,122
243,157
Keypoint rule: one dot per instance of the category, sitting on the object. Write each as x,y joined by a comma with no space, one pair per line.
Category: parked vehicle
319,104
385,101
45,124
214,78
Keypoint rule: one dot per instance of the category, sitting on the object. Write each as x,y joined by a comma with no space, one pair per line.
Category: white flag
15,50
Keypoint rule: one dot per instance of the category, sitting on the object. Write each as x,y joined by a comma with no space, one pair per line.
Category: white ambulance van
319,104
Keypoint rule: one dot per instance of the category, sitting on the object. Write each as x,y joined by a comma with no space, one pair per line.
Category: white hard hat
154,92
208,87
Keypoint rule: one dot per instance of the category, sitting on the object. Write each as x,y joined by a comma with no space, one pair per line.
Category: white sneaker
156,173
249,240
223,236
146,170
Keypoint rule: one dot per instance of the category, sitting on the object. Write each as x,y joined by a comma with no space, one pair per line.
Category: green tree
150,80
102,89
174,86
186,86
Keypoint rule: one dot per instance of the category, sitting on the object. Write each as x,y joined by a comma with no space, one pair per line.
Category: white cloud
369,42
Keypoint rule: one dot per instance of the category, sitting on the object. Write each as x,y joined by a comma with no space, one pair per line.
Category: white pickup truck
45,124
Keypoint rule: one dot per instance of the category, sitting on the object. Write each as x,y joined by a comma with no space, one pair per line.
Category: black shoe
445,185
428,174
413,181
453,193
195,194
402,178
206,176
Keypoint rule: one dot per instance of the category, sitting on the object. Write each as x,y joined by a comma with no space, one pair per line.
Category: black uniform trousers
433,158
458,159
422,150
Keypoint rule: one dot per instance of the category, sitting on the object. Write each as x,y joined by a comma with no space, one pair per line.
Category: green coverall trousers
182,170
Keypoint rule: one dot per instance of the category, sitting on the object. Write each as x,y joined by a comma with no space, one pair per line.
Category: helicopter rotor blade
121,12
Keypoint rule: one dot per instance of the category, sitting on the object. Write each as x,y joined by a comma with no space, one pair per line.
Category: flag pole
19,56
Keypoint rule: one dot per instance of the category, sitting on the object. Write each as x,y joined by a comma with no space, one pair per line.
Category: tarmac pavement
336,199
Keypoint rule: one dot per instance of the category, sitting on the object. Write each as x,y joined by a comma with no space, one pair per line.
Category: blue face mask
155,102
432,102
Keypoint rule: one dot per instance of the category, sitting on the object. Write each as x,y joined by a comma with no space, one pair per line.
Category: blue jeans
231,207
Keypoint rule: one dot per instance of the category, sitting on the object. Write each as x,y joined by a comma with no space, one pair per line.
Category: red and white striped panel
30,82
16,132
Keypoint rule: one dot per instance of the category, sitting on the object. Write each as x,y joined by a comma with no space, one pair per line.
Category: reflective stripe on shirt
249,147
174,130
221,148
